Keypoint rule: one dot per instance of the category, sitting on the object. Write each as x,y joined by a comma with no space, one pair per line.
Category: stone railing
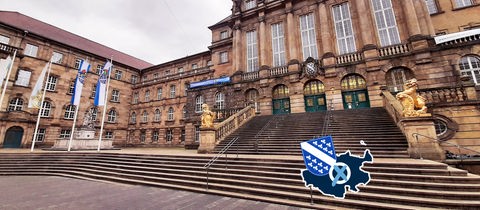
229,125
349,58
223,114
444,95
393,50
175,76
7,48
392,105
278,70
251,75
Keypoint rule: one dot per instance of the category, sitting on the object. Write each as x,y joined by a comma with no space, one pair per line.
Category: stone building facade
293,56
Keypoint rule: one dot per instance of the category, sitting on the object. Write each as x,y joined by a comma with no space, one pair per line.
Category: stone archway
13,137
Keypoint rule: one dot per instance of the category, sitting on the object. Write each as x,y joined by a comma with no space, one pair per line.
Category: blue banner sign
209,82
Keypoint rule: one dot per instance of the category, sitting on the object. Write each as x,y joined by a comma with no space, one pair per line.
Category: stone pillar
237,47
411,18
291,38
425,20
325,30
263,41
420,146
207,140
297,103
366,22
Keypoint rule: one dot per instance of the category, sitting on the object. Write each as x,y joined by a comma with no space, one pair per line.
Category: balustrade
229,125
444,95
349,58
251,75
278,70
393,50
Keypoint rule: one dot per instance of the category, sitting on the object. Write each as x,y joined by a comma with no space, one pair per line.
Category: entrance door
315,103
355,99
13,137
281,106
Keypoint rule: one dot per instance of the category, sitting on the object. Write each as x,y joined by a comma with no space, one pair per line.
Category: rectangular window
172,91
155,136
182,136
169,135
159,93
144,78
31,50
99,68
94,89
108,134
278,45
224,57
167,72
41,134
51,83
185,86
65,133
223,34
155,76
307,30
197,133
135,98
343,29
194,66
23,78
250,4
180,70
57,57
71,87
252,51
147,96
134,79
209,62
431,6
77,63
4,39
385,21
463,3
115,95
143,136
118,74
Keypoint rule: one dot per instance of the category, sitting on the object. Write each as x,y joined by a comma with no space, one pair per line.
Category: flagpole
7,78
105,106
41,106
77,107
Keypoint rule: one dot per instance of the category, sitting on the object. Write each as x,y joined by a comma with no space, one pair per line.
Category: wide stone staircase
282,134
396,183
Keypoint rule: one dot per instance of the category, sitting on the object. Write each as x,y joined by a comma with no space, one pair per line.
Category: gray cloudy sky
156,31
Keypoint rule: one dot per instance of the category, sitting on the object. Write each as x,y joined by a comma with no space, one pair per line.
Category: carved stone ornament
413,104
311,68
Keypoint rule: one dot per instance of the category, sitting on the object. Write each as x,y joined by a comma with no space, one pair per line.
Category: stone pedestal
83,139
207,140
423,145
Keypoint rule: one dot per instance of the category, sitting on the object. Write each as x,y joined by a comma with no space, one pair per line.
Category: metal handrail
415,135
261,132
224,149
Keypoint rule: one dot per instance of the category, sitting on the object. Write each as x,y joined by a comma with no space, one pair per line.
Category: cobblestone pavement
49,192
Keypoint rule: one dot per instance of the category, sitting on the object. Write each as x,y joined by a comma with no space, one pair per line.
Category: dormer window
250,4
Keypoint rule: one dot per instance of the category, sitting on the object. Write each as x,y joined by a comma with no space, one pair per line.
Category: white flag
36,96
77,88
4,67
102,85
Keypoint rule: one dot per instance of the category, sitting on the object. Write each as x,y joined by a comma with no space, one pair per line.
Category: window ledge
460,8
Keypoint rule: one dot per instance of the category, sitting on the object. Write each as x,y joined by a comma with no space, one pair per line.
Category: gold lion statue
410,100
207,117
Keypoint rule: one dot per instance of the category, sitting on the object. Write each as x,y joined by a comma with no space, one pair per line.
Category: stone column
325,30
237,47
207,140
423,145
426,24
411,18
367,28
263,41
291,38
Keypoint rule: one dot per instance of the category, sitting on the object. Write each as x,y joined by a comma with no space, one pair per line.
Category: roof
224,20
34,26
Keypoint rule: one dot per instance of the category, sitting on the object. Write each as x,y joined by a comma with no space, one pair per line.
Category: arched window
157,116
220,100
145,116
252,97
198,103
170,113
470,65
46,108
15,104
69,112
396,77
133,118
353,82
314,87
280,91
112,116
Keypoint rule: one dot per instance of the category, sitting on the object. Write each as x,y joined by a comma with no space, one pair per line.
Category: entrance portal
354,92
13,137
314,92
281,100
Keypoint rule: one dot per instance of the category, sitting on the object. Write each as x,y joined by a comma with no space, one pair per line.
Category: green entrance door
13,137
315,103
355,99
281,106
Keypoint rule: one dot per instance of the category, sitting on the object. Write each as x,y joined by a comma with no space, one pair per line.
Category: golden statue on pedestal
410,100
207,117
